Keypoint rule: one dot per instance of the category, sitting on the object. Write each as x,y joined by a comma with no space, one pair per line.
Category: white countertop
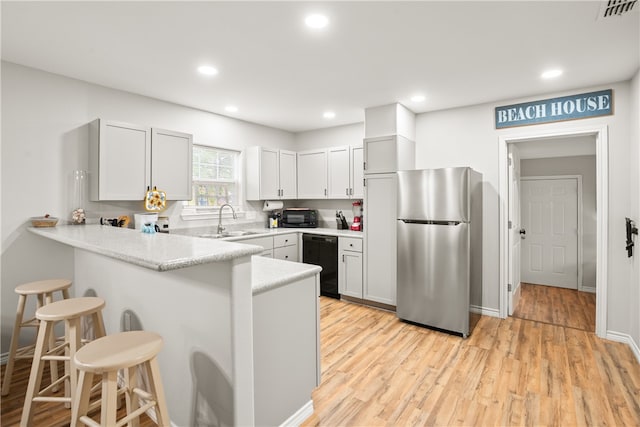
158,251
269,273
265,232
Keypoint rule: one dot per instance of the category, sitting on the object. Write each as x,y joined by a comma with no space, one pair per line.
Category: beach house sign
571,107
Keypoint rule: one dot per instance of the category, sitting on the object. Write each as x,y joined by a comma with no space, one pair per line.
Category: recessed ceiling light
418,98
231,108
550,74
329,115
316,21
207,70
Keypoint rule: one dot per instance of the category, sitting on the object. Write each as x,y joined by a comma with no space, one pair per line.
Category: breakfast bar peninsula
217,310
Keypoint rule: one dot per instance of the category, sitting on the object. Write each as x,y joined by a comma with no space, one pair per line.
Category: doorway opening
552,253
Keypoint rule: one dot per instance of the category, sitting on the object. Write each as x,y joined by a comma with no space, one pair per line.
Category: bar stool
43,290
105,356
70,311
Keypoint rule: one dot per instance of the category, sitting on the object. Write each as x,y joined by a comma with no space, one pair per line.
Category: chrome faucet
220,227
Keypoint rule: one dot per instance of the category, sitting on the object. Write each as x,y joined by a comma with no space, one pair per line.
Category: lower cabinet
286,247
283,247
350,267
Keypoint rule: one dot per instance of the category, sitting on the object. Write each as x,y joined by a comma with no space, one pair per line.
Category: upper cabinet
312,174
270,174
345,173
125,160
388,154
357,172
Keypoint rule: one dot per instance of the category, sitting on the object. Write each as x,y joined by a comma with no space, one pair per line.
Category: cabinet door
350,274
380,155
269,171
312,174
288,253
338,172
288,175
171,163
120,160
357,173
380,238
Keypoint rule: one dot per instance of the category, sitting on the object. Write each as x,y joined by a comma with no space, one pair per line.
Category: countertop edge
228,255
260,264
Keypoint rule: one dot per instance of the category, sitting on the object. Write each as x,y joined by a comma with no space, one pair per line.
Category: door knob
523,233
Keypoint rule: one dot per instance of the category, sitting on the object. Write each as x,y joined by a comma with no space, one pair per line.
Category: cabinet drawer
288,253
265,242
350,244
285,240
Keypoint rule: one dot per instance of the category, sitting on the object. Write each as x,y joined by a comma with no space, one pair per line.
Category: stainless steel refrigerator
440,248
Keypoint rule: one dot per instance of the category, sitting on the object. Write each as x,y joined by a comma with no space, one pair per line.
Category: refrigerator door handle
420,221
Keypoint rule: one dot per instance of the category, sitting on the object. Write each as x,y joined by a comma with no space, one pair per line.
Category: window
215,178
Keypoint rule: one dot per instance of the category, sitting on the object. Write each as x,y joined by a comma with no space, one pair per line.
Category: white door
514,229
549,212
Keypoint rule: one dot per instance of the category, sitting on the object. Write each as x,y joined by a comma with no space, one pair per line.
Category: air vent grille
616,8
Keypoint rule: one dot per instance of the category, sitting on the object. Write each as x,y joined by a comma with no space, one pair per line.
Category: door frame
578,178
601,134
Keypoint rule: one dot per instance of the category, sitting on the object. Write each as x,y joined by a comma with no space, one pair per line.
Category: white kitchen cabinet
285,247
265,242
357,172
126,159
350,267
380,197
270,174
388,154
338,172
312,174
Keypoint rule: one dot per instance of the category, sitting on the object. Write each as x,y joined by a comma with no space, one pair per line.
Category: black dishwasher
323,251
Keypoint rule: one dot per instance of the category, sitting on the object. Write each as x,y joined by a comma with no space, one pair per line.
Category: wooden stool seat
43,290
71,312
43,286
106,356
70,308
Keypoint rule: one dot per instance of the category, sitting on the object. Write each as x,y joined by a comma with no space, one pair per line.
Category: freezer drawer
433,275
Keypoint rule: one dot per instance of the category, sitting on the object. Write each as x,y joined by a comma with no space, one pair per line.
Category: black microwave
299,217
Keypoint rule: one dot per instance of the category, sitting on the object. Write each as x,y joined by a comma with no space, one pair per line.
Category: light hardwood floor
377,370
558,306
46,414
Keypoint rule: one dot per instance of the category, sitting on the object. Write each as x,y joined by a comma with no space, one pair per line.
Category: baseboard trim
625,339
300,416
492,312
591,289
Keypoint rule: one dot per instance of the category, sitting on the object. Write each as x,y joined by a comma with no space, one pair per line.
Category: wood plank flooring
558,306
377,370
46,414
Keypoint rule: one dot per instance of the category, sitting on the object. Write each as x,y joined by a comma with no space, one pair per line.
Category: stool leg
109,398
8,373
155,382
74,338
98,325
80,405
53,365
132,400
35,377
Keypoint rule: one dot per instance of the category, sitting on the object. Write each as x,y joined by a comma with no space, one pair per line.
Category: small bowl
41,221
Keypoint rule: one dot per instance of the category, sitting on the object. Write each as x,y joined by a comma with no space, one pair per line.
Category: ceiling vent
616,8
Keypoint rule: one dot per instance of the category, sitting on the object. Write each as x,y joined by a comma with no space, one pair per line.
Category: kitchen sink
228,234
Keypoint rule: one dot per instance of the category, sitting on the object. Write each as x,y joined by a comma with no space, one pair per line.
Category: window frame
194,212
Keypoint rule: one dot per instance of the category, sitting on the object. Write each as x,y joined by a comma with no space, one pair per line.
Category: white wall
586,167
45,138
467,137
634,210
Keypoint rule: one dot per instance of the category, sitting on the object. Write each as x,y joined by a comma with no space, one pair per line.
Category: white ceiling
281,74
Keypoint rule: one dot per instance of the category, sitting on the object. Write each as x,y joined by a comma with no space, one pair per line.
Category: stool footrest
33,322
89,422
52,386
142,393
52,399
135,414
